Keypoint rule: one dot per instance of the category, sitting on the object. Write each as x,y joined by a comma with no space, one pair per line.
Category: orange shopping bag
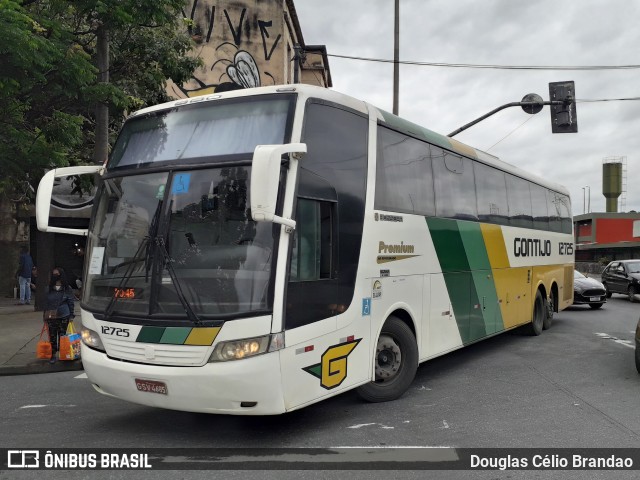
69,344
43,348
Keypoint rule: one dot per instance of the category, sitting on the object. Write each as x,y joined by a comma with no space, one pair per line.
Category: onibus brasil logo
332,369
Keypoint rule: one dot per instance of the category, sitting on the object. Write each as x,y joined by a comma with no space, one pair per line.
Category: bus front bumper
251,386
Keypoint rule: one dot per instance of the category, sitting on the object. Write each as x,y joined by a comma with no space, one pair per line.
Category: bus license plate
594,299
151,386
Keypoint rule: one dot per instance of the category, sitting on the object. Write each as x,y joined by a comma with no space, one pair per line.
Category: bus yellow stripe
202,336
503,276
494,243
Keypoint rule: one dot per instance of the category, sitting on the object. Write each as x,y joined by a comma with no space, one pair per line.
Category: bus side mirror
45,192
265,180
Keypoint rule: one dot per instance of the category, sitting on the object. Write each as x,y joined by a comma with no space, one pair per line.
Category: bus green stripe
448,243
467,273
175,335
484,319
150,334
178,335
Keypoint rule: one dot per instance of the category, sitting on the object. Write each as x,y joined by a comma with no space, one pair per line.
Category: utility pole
101,148
396,56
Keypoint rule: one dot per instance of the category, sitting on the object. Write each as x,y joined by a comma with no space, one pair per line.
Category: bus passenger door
443,333
514,295
485,310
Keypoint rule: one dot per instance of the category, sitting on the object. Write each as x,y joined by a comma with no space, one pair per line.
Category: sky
499,32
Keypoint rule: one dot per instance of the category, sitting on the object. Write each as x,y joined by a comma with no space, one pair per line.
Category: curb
41,367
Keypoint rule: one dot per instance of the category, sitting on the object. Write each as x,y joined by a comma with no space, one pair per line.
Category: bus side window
519,198
311,257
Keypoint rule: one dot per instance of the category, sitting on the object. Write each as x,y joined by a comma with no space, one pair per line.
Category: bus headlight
247,347
91,339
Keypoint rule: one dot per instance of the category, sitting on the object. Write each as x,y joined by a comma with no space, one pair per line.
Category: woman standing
60,299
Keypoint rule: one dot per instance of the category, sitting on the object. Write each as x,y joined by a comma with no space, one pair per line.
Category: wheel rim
388,359
551,305
539,313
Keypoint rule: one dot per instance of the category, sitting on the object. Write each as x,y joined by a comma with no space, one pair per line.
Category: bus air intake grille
157,354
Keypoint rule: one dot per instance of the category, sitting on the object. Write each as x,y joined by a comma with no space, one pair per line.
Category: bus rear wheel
396,363
539,315
548,318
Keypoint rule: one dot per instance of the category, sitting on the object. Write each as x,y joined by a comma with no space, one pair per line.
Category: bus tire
539,314
548,318
396,363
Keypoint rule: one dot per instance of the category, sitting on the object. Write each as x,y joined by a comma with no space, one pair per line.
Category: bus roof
386,118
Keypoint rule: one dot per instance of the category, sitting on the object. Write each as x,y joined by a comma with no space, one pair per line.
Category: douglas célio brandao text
551,462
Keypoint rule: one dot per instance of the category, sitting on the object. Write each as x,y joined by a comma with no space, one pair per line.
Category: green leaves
49,82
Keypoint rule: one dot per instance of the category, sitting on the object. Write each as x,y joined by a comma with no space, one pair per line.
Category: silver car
588,291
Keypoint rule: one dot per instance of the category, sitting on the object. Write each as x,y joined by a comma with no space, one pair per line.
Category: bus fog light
91,339
247,347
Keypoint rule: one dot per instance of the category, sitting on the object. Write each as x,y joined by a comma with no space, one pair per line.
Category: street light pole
583,201
396,56
588,199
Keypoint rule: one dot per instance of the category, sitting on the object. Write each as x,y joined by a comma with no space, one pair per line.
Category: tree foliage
49,83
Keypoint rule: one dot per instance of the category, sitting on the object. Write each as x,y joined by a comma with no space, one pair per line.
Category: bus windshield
199,221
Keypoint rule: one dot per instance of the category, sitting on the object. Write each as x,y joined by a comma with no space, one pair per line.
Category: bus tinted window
404,181
559,207
492,194
311,253
204,129
539,207
519,202
454,185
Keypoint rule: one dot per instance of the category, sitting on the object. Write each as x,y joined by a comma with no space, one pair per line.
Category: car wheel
595,306
607,289
632,293
637,358
396,363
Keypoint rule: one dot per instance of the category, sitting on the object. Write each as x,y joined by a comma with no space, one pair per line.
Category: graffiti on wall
237,41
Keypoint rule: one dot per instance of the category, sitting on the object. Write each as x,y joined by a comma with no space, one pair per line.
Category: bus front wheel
396,363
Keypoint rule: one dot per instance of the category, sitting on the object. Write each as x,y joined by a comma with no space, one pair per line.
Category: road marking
44,406
606,336
445,425
387,447
369,424
82,375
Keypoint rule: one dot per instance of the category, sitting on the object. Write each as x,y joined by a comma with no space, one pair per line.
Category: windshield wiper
159,241
128,273
153,228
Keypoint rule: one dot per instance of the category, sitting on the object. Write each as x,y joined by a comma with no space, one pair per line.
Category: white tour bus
256,251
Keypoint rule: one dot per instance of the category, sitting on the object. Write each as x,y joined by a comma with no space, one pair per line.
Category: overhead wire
489,66
530,117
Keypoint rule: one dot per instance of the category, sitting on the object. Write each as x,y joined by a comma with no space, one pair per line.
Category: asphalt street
574,386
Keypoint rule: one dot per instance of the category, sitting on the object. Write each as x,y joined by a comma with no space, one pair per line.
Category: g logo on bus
332,369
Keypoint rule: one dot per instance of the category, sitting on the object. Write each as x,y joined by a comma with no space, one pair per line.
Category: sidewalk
20,328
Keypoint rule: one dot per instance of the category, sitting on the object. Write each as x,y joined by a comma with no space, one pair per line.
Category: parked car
638,347
588,291
622,276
